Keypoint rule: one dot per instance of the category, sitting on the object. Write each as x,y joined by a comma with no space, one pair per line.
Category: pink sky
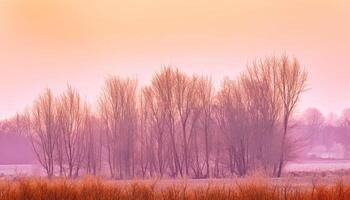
52,43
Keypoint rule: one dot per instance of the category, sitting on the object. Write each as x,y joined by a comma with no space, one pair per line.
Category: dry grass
91,189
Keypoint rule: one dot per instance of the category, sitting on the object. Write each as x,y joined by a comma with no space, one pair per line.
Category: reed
93,189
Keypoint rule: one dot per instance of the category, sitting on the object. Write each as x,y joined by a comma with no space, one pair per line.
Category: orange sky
49,43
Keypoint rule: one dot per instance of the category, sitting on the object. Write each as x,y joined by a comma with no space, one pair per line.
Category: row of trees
178,125
330,131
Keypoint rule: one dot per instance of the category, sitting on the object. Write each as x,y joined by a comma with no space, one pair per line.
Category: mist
174,99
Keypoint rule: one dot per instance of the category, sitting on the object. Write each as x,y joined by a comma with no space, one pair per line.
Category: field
91,189
303,180
294,167
317,165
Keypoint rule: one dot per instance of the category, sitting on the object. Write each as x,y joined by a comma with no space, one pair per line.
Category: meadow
93,188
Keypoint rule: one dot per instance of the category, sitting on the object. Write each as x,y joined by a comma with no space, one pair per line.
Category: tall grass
93,189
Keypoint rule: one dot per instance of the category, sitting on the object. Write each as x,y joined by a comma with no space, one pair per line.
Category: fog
180,125
325,148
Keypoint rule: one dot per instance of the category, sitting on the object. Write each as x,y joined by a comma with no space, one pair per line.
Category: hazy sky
49,43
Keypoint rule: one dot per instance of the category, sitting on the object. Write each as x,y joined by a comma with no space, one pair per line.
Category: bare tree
163,89
185,94
22,123
205,96
264,109
44,130
93,143
118,111
71,115
344,124
154,115
314,121
264,98
231,112
291,82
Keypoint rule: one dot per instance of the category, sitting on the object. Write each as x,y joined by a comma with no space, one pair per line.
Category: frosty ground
298,173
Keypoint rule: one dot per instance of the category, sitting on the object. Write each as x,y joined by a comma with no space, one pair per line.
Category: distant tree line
179,125
331,132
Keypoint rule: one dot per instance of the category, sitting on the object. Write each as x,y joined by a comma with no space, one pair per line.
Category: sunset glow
53,43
